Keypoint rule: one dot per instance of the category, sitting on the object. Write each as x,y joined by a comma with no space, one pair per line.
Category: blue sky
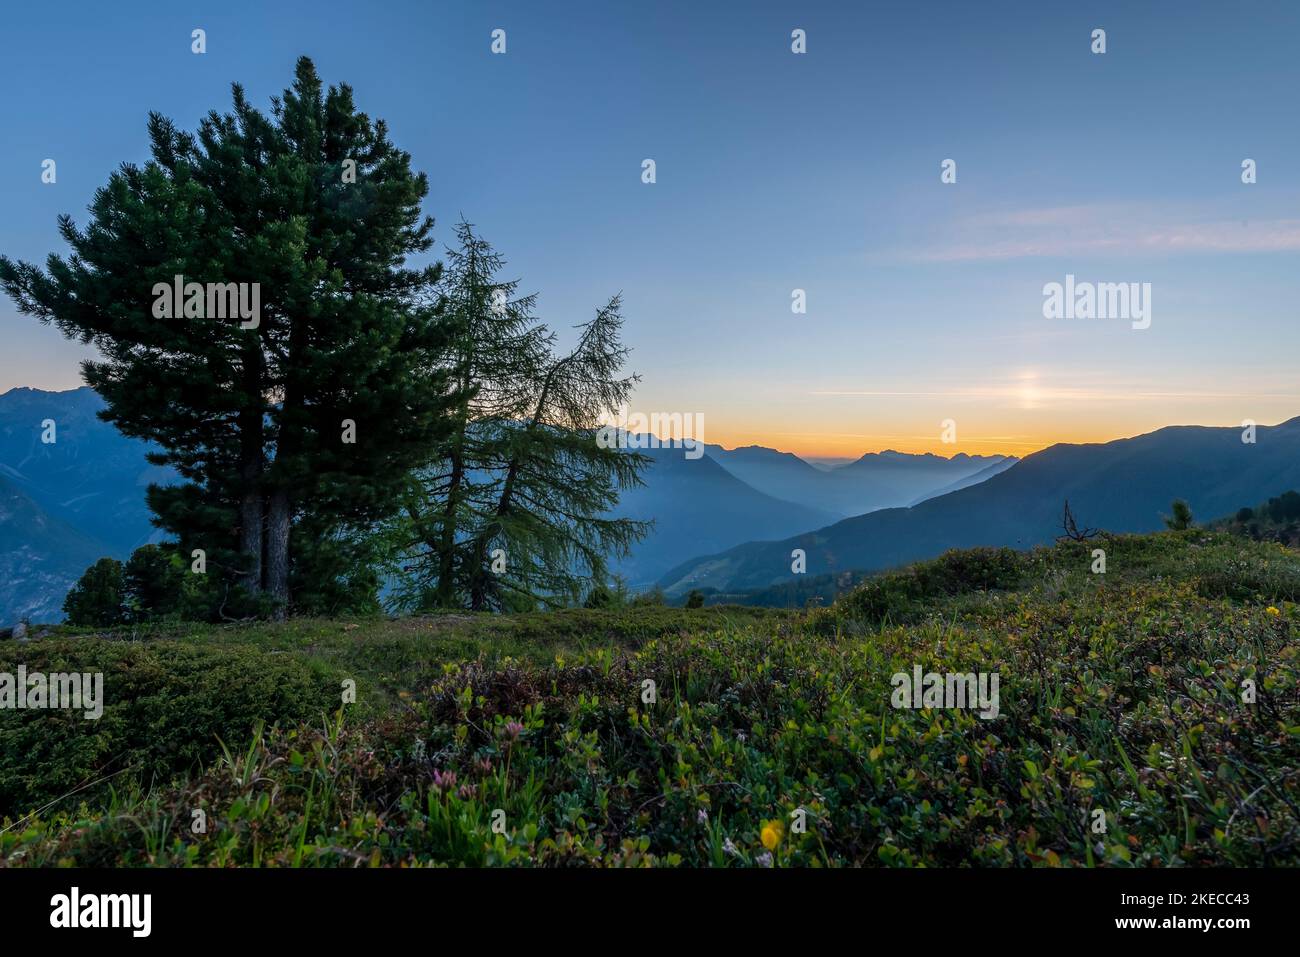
778,171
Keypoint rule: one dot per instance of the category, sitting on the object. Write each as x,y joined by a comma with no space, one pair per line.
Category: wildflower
1272,611
764,859
771,834
740,736
702,816
466,791
729,848
444,780
513,730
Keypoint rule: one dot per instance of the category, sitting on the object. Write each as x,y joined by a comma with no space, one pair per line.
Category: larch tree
516,507
551,529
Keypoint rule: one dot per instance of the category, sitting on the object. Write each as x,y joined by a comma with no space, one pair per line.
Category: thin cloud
1106,229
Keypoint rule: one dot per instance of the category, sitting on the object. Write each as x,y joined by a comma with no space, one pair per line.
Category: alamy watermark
71,691
655,430
214,300
130,911
1101,300
976,691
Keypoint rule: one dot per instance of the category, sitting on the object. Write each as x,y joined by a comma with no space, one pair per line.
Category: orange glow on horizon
827,447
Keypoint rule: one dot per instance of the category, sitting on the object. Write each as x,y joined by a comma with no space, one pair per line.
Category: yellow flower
1272,611
772,833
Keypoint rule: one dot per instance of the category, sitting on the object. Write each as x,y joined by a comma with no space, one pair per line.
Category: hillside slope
1087,685
983,475
696,505
66,502
1121,486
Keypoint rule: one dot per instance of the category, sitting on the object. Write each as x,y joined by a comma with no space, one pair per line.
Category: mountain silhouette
1121,486
876,480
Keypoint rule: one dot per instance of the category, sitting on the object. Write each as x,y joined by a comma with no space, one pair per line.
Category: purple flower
444,780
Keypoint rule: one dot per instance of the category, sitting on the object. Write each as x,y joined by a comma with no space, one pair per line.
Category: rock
19,631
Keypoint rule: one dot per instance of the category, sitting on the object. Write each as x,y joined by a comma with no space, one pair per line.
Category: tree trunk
446,546
277,551
250,539
288,445
250,509
252,461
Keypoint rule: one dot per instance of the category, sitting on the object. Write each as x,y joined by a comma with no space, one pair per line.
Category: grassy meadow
1149,716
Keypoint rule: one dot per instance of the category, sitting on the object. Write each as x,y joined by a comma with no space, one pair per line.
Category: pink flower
444,780
513,729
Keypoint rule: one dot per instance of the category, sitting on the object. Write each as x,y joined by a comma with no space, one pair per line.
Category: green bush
652,598
154,583
901,596
1284,508
601,596
96,599
165,705
1181,519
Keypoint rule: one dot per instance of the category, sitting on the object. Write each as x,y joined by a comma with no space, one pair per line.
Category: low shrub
165,706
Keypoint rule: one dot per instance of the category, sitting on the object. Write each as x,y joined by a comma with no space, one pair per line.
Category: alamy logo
1102,300
950,690
35,691
103,910
653,431
213,300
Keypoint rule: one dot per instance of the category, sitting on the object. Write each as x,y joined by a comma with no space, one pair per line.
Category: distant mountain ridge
40,556
1121,486
967,481
697,500
91,476
66,503
82,497
875,480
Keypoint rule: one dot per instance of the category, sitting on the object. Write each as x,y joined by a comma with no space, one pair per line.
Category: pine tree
313,404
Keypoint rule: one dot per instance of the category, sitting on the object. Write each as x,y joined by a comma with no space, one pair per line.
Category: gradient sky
776,172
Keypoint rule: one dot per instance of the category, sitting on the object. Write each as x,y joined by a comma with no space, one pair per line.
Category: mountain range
737,495
876,480
1123,486
65,502
727,520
